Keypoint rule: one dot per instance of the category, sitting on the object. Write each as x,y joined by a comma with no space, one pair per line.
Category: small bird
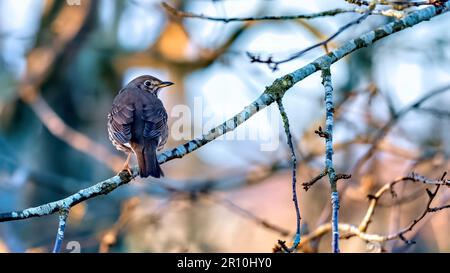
137,123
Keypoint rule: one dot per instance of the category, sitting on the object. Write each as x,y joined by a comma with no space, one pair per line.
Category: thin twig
435,112
439,208
400,5
185,14
310,183
374,199
273,64
361,230
247,214
382,132
294,172
431,197
63,214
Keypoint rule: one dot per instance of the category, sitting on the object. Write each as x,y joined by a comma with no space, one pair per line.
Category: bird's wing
155,118
164,137
119,122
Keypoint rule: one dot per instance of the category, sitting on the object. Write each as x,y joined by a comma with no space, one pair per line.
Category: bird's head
149,84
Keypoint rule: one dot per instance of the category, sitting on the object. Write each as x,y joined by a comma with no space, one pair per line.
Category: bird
137,123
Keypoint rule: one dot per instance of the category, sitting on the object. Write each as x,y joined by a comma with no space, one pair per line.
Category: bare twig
273,64
374,199
361,230
435,112
431,196
294,172
381,133
439,208
248,214
175,12
310,183
63,214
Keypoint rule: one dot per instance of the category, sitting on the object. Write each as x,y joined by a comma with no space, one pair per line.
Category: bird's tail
148,161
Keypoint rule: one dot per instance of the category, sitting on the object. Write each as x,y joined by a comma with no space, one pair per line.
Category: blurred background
61,66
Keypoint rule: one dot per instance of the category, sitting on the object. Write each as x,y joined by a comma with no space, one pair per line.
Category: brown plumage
137,123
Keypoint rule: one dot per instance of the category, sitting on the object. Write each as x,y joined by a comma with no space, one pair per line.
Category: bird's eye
147,83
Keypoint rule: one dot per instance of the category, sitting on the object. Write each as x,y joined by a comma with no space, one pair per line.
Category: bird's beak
164,84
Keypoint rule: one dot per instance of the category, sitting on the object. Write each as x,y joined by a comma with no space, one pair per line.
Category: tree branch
329,123
63,214
361,230
294,173
178,13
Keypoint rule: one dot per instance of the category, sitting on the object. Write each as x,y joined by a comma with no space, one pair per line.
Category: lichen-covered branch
100,188
63,214
329,123
185,14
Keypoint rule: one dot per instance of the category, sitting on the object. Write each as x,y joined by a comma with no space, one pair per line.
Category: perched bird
137,123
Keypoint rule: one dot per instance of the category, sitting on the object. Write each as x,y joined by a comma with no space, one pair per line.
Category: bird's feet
126,170
126,174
